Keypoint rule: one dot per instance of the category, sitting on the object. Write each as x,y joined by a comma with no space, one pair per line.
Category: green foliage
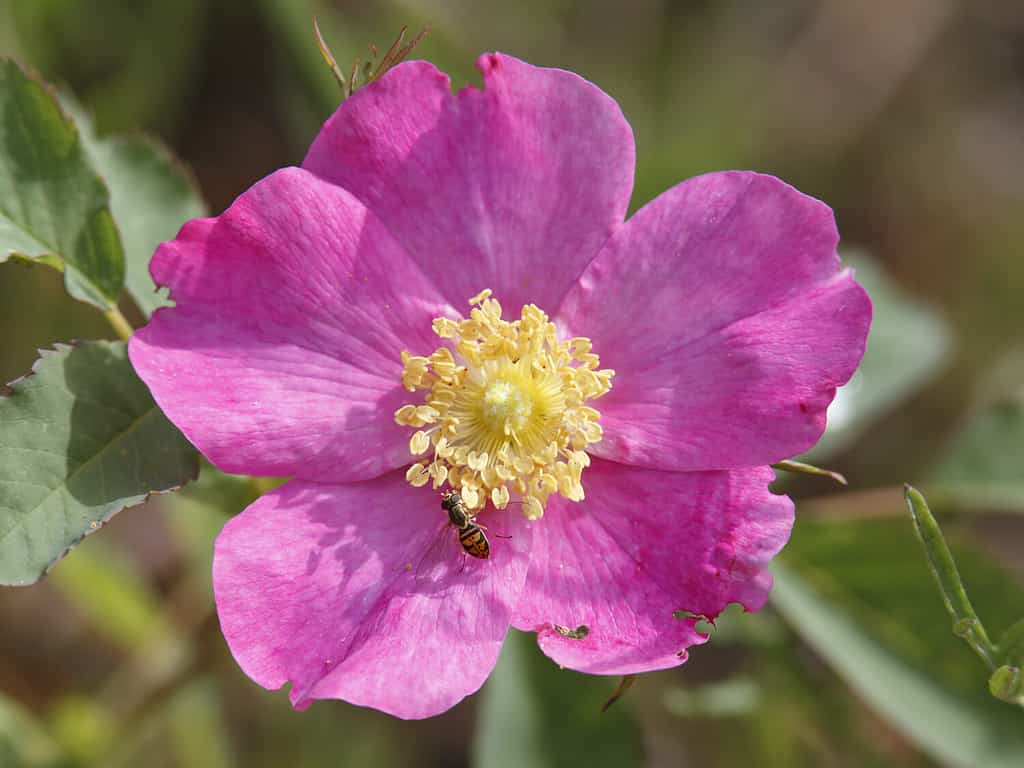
151,196
983,461
24,742
80,440
907,345
860,595
729,698
111,594
966,623
535,714
197,725
83,727
53,207
131,67
942,723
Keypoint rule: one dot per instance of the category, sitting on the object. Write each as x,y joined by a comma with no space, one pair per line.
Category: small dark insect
471,535
573,634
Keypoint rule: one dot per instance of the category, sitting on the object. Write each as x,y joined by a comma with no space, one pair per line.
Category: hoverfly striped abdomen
474,541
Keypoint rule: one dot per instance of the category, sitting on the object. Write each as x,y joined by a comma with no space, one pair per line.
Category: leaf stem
120,324
966,623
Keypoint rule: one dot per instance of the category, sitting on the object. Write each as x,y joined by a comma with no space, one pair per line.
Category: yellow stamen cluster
505,413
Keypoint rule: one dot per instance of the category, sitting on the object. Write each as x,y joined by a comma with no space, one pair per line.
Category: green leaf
907,346
862,597
944,725
80,440
535,714
983,460
53,207
151,196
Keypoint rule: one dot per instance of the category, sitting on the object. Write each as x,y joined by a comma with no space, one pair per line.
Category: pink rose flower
610,421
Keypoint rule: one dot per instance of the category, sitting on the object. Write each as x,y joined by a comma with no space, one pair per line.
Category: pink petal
643,544
514,187
735,325
318,585
282,356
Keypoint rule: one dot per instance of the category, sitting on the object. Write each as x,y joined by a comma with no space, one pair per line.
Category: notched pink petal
641,548
741,325
324,587
282,354
514,187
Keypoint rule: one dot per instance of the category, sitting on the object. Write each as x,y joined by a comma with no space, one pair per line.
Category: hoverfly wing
443,556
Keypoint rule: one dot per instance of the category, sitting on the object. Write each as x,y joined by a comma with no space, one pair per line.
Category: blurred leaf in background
132,62
535,714
984,462
24,742
151,195
860,594
53,207
908,344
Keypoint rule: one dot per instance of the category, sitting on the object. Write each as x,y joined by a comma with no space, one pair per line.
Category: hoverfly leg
496,535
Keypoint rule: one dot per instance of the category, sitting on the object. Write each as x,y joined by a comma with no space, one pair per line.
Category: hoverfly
471,536
440,558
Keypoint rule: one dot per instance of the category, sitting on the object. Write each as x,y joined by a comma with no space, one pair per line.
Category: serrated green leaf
53,207
535,714
151,196
80,440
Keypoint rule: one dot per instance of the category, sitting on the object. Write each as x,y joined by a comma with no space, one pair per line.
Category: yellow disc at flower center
505,408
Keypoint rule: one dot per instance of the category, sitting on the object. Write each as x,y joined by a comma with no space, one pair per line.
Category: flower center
505,408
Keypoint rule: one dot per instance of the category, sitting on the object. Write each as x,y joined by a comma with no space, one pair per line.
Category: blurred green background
907,118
